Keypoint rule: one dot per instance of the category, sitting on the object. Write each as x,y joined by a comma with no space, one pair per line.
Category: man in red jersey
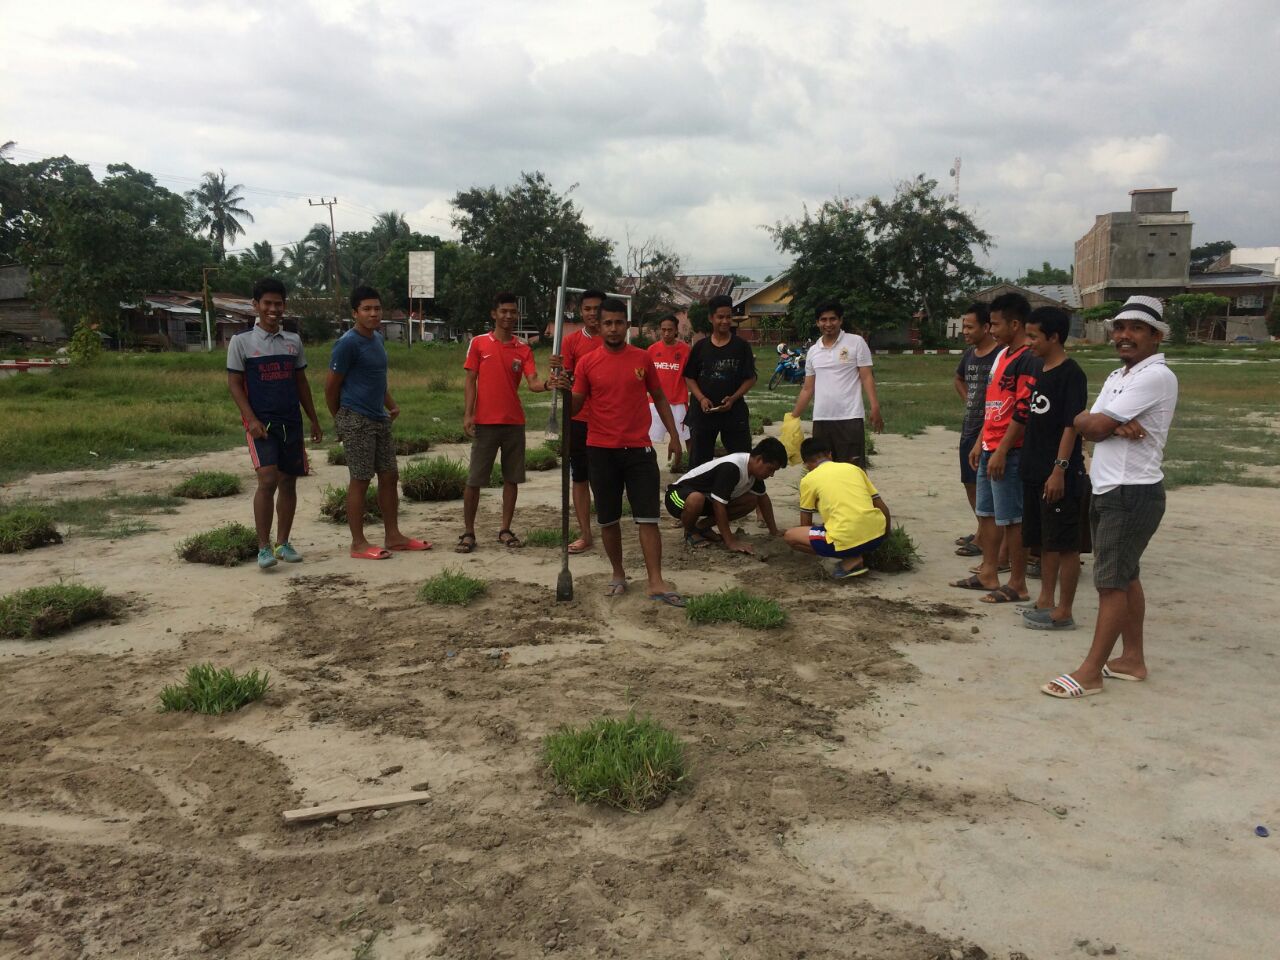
494,417
614,380
669,357
576,346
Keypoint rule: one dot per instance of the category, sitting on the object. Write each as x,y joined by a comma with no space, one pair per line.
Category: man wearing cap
1129,424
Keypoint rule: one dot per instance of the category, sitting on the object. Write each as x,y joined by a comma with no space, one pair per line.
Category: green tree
305,267
1103,311
217,207
1187,313
1046,275
1202,257
516,237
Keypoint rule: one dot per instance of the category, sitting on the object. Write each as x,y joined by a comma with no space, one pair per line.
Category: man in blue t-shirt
362,406
266,374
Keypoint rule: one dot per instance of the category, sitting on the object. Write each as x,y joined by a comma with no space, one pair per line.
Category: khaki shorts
367,444
489,439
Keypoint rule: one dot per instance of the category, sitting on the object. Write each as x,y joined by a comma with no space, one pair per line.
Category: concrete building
1146,250
1061,295
1263,259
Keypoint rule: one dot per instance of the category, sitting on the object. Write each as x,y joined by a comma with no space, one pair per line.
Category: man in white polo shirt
837,371
1129,424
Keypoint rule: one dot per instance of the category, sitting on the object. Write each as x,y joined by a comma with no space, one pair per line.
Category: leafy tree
216,207
1187,312
1046,275
1203,256
1103,311
516,237
655,267
699,318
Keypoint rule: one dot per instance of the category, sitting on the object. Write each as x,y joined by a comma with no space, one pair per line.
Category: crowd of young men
1021,453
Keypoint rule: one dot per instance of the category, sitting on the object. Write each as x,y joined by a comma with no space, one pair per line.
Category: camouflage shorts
367,443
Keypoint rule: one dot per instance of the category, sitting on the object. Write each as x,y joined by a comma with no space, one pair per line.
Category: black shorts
848,439
967,473
1061,527
578,451
633,469
733,429
283,448
1123,521
675,498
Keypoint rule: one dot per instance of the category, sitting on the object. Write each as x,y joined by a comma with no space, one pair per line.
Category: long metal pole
564,585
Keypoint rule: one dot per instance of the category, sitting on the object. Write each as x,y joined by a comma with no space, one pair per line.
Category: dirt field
878,779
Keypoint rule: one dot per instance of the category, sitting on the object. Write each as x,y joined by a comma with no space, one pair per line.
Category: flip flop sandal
840,573
1003,594
466,543
1048,623
510,540
372,553
1003,568
969,550
1113,675
1068,688
578,546
670,599
410,544
972,583
961,541
695,540
616,588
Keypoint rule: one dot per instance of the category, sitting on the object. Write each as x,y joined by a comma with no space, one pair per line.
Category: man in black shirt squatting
720,370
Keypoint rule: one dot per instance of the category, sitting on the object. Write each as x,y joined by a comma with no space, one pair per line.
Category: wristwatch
1062,463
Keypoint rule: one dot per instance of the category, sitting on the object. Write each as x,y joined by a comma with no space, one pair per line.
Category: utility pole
208,308
333,253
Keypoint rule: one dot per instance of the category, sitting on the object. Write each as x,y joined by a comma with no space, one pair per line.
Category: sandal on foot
579,546
466,543
971,583
1048,623
1003,594
1114,675
616,588
840,573
969,550
968,538
1003,568
670,599
411,544
1068,688
371,553
695,540
509,540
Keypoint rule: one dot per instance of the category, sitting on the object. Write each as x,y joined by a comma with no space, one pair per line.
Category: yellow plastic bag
791,436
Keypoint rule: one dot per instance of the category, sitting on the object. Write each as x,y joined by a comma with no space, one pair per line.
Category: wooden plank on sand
354,806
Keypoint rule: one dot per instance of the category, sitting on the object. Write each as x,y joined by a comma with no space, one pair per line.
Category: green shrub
552,444
207,485
338,456
541,458
223,546
22,528
436,478
407,446
735,605
451,587
548,537
41,611
896,554
632,762
205,689
333,503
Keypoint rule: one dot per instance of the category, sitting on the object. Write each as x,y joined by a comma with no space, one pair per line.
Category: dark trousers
733,428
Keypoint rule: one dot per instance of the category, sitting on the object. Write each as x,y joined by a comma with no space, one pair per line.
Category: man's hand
674,450
995,465
555,361
469,425
1053,487
727,403
558,381
317,432
256,429
393,412
734,545
1132,430
707,405
877,421
975,455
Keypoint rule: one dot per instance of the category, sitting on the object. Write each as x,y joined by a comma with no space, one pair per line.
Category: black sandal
466,543
510,541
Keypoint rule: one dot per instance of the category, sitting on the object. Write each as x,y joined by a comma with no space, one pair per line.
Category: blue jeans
1001,498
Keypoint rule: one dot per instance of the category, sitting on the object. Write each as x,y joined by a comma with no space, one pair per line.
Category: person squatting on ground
837,373
267,377
997,456
363,409
1129,426
708,498
972,373
616,381
494,416
576,346
1055,485
670,354
855,518
720,370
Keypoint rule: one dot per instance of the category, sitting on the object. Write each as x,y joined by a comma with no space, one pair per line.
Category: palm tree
6,148
306,265
261,257
216,207
388,227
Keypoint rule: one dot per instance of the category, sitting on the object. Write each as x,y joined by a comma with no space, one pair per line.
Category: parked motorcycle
790,369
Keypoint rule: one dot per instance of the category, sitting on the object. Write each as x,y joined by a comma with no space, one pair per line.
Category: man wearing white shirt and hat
1129,425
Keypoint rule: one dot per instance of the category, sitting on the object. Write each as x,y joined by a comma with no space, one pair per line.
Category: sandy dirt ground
879,779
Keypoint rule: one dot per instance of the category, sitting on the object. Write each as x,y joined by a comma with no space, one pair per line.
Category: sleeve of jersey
1024,385
582,381
1135,400
235,356
960,371
808,498
862,353
723,479
340,359
693,366
748,363
530,364
1077,394
301,362
472,361
651,381
569,356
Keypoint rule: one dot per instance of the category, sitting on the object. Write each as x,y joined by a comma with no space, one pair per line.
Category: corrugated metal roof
1233,280
1062,292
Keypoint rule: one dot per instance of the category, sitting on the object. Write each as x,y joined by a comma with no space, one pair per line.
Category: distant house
1261,259
687,290
757,303
1064,296
1145,250
21,316
1249,294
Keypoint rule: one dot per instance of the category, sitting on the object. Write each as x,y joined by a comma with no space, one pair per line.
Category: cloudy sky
693,120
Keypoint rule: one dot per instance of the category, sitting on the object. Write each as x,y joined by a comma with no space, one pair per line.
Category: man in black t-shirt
722,490
720,370
1056,488
972,373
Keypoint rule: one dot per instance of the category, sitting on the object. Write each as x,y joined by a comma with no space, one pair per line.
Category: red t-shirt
1013,378
670,363
576,346
499,367
617,386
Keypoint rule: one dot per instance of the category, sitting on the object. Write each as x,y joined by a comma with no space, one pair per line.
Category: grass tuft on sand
547,537
629,762
735,605
897,554
24,528
541,458
451,587
41,611
436,478
206,689
333,504
224,546
408,446
337,456
207,485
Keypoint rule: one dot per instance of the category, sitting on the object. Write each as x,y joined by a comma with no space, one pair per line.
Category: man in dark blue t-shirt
266,374
356,393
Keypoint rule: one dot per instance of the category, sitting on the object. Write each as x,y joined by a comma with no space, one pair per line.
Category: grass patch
337,456
407,446
206,689
541,458
451,587
223,546
552,444
547,537
41,611
333,503
24,528
436,478
114,516
207,485
735,605
897,554
630,762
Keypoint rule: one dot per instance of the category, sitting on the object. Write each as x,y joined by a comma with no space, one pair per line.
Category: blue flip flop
670,599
